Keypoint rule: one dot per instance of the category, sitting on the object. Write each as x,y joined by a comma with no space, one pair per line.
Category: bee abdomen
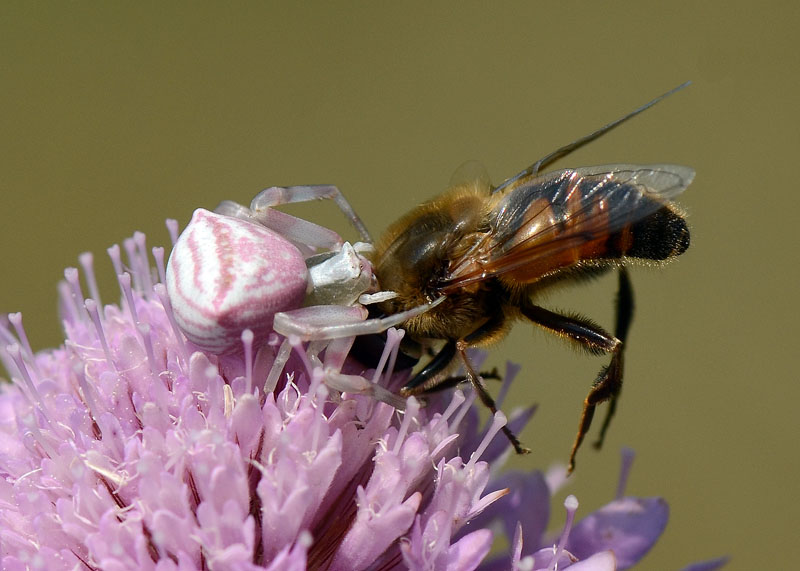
660,236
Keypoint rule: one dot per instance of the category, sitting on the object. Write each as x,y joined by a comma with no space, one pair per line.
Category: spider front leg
276,195
295,229
313,323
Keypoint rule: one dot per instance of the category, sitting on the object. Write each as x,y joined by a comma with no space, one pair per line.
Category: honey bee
480,256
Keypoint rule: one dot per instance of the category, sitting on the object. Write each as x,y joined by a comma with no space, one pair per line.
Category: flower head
133,446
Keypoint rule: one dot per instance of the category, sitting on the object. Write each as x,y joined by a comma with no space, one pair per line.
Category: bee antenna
562,152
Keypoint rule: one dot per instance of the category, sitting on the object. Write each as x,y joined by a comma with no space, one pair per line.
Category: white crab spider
252,268
312,322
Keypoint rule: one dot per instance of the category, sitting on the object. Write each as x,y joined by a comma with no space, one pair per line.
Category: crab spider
254,267
333,271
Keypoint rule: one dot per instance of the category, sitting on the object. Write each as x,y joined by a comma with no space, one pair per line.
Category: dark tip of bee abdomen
660,236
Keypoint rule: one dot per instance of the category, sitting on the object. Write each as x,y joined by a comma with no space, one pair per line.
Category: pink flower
129,447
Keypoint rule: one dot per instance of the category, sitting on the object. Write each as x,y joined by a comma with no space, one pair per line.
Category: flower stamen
16,320
87,263
499,420
125,285
161,292
409,416
142,265
465,407
71,275
247,343
628,456
172,229
571,505
161,268
144,332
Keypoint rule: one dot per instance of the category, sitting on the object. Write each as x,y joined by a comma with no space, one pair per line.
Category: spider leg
310,323
276,195
296,229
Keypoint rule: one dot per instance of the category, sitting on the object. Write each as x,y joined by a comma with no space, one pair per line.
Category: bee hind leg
625,307
596,340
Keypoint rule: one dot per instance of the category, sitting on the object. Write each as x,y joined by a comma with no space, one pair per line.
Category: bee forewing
471,173
543,206
664,181
562,152
539,218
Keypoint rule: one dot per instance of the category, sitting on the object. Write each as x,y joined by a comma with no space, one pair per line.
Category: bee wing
539,217
471,173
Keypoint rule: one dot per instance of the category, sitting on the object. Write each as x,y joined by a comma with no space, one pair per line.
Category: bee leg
595,340
625,307
486,398
453,381
486,331
426,380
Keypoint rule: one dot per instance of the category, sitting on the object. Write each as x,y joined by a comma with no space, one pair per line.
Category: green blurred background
115,117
